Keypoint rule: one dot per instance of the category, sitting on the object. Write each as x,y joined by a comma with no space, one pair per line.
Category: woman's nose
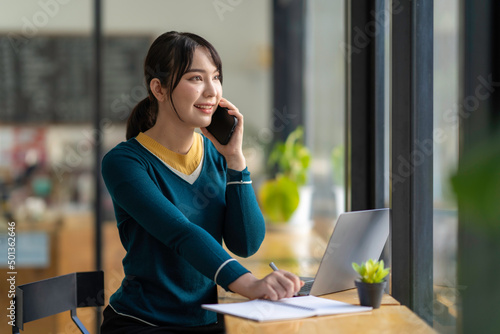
210,89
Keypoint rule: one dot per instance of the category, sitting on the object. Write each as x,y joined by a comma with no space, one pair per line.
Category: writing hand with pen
277,285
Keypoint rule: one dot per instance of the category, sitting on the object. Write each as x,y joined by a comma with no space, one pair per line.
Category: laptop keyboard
306,288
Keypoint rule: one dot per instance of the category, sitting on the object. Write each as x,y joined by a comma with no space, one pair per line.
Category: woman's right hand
232,151
278,284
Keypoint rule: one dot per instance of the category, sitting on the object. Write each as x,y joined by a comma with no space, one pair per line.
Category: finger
285,287
271,294
280,290
275,289
232,110
289,287
227,104
297,283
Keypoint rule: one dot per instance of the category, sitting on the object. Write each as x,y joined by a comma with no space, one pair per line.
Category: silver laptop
357,237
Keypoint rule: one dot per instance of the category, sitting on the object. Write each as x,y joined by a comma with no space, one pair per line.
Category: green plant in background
292,157
477,186
279,197
371,271
338,164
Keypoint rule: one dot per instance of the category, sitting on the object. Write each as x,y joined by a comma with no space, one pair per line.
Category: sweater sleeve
244,227
130,187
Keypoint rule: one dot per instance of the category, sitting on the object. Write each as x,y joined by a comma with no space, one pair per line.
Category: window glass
46,144
325,78
446,291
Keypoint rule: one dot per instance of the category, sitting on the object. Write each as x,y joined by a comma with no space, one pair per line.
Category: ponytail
142,118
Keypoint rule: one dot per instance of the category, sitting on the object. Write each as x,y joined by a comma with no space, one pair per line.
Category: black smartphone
222,125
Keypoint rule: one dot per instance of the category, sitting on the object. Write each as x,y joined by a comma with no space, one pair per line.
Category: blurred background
48,131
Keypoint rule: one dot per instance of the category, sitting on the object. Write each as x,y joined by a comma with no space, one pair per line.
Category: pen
272,265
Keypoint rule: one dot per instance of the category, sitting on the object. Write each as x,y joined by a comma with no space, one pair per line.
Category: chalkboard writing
48,79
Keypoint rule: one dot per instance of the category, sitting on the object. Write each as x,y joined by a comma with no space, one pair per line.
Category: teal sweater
173,232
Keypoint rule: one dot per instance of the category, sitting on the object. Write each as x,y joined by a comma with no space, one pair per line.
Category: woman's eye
196,78
217,77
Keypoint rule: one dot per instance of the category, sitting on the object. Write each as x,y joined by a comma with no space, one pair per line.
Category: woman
177,195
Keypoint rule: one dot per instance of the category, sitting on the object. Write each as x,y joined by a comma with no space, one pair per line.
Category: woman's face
199,91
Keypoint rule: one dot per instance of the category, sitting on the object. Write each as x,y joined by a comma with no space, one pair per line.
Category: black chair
47,297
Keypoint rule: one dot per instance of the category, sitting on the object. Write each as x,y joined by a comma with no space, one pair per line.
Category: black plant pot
370,294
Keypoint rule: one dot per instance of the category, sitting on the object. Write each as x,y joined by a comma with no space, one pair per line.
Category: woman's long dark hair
168,59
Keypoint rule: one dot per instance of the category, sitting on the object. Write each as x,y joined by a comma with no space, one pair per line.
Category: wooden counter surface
386,319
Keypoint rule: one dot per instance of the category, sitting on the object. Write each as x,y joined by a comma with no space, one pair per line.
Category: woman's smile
205,108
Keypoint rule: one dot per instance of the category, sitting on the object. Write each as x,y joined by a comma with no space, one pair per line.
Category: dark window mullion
412,150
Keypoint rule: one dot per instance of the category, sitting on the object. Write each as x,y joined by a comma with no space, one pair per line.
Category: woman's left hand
232,151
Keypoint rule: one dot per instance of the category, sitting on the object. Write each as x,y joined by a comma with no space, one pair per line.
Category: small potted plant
371,283
280,197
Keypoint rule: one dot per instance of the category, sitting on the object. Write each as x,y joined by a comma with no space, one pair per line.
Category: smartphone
222,125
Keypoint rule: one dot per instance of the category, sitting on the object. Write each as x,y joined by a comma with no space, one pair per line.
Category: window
446,84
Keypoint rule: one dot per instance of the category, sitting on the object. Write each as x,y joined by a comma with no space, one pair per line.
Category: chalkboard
49,79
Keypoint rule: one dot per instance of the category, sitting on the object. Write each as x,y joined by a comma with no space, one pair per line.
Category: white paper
323,306
285,309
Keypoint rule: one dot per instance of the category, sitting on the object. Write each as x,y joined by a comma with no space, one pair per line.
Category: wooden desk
387,319
300,252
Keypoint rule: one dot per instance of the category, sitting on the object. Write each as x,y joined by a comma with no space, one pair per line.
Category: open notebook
285,309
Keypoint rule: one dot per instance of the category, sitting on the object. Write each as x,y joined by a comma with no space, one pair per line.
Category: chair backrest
47,297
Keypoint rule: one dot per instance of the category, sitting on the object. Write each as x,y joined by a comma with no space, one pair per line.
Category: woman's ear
158,91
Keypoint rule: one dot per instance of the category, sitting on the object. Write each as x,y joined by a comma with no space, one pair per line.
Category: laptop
357,237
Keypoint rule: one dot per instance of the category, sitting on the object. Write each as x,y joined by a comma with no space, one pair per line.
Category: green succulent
371,271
